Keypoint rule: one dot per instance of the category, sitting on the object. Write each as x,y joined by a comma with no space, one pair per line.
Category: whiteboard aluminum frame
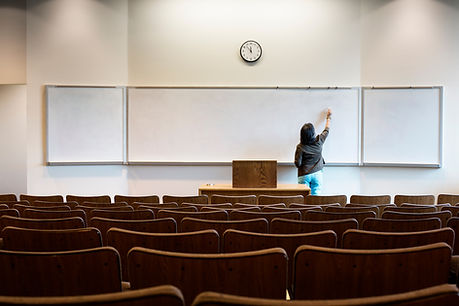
229,163
84,163
406,165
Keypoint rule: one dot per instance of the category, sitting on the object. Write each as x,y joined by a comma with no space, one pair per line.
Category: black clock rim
254,41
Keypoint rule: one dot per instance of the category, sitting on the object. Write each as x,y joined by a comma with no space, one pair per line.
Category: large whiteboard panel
85,124
223,124
402,126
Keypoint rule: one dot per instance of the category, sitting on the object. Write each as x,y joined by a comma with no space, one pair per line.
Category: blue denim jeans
313,180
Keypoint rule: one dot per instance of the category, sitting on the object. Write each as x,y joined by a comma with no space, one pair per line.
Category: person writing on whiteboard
308,156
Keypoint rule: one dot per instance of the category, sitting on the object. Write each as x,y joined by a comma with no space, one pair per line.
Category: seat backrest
9,212
53,214
452,199
10,204
259,225
200,199
157,209
348,209
103,205
245,199
322,206
81,199
131,199
167,225
8,197
239,241
414,199
454,210
359,239
370,199
21,208
432,296
72,205
88,210
136,205
411,209
400,225
33,198
269,199
246,215
35,240
160,295
284,226
201,206
325,199
206,241
141,214
61,223
323,216
179,215
454,224
360,273
229,210
256,273
302,210
442,215
88,271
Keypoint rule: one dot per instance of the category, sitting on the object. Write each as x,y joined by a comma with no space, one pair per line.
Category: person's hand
329,113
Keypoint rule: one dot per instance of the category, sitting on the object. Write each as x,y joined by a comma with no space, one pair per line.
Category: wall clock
250,51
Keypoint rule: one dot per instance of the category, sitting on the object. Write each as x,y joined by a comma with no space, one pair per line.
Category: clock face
250,51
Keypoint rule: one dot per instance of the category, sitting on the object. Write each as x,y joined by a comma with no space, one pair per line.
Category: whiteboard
402,126
202,125
85,124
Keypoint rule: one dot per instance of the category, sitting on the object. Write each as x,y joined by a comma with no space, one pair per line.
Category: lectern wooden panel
254,173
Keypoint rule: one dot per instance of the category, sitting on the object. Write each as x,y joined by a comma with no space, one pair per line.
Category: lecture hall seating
259,225
400,225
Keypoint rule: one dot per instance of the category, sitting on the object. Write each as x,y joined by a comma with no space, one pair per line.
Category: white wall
183,42
12,42
80,43
13,157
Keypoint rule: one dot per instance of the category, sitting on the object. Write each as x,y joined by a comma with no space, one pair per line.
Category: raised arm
327,124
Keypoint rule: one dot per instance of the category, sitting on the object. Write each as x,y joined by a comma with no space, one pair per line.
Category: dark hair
307,134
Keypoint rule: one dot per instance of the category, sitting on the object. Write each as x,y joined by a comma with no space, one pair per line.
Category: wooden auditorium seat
239,241
269,199
370,199
364,273
411,209
245,205
48,198
139,199
52,214
452,199
136,205
21,208
167,225
201,206
431,296
359,239
200,199
229,210
94,199
245,199
141,214
10,197
379,206
9,212
347,209
246,215
10,204
179,215
284,226
160,295
256,273
322,206
325,199
324,216
302,210
61,223
37,240
259,225
400,225
442,215
72,205
414,199
206,241
454,224
88,271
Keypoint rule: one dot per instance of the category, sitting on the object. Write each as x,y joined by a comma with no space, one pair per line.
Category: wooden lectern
254,173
